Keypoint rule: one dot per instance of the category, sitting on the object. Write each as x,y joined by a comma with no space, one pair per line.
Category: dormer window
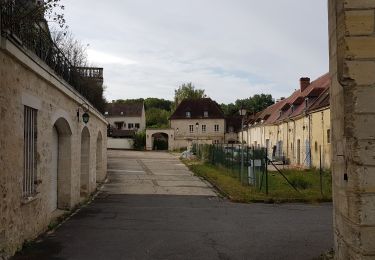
106,113
205,114
188,114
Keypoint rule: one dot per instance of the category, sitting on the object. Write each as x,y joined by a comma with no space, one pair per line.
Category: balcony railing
37,39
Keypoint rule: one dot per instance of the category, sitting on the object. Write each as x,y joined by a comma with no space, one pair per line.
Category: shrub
140,140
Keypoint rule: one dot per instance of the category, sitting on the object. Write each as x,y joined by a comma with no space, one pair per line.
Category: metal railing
36,38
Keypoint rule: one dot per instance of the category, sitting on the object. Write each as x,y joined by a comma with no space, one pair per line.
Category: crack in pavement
147,171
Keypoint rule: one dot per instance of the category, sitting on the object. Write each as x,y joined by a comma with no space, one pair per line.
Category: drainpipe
323,134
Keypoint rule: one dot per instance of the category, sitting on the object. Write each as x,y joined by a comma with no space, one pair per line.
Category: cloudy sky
231,48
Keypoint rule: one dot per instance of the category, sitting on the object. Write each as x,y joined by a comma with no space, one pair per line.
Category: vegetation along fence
252,166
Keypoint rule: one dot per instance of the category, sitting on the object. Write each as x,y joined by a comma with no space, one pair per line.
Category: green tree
252,104
187,91
158,103
157,118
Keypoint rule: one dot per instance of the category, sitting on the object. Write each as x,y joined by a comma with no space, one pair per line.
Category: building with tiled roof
297,128
197,121
125,118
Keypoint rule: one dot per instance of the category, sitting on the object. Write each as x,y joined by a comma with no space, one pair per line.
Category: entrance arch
61,166
99,157
159,134
85,163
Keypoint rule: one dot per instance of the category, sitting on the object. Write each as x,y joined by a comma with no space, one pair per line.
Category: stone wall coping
32,62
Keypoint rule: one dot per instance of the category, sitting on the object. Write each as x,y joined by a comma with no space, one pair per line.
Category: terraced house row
295,129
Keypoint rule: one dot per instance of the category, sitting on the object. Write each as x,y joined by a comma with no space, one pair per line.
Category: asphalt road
153,226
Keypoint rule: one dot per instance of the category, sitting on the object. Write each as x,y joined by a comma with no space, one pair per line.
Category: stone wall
352,66
26,81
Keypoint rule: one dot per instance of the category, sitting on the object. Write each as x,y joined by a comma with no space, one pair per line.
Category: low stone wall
120,143
25,81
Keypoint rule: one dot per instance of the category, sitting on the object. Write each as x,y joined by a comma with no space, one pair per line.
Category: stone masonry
27,81
352,69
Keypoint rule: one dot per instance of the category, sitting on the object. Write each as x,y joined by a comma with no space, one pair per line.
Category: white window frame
216,128
191,128
204,128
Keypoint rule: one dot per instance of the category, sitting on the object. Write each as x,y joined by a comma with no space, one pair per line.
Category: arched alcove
99,158
85,163
59,192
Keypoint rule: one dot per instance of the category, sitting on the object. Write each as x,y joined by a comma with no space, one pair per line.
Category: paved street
152,173
123,223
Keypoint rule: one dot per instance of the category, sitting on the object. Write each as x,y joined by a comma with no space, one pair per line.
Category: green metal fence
250,165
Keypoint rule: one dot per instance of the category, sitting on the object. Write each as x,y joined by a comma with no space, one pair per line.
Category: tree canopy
252,104
185,91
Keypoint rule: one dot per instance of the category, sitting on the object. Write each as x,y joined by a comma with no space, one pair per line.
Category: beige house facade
197,121
50,159
295,129
126,116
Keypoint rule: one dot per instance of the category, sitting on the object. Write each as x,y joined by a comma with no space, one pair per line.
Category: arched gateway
164,136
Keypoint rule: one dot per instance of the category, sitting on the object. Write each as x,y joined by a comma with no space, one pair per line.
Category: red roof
315,96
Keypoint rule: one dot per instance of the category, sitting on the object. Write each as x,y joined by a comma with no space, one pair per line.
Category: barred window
30,138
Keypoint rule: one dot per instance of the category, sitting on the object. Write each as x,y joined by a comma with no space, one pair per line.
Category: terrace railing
36,38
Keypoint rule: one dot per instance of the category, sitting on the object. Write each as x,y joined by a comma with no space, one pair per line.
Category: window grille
30,139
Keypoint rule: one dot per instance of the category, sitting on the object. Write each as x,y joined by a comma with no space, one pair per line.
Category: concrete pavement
131,172
120,224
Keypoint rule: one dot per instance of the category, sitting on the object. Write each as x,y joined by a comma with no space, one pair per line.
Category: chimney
304,83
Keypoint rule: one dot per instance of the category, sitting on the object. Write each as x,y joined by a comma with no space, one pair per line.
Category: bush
140,141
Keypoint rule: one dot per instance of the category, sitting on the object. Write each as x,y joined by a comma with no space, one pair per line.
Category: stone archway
85,163
61,166
99,158
160,141
166,133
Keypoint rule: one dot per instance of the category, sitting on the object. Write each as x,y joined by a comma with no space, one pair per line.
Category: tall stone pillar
352,69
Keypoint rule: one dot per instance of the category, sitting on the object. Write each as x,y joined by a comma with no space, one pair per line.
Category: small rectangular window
328,136
188,114
119,125
216,128
137,126
30,141
130,126
203,128
191,128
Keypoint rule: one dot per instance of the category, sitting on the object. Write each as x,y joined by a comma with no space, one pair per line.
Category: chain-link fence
252,166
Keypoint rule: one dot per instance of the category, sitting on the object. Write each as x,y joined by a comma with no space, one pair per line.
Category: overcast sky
231,48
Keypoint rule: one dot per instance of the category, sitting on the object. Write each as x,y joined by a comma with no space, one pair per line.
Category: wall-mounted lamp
85,115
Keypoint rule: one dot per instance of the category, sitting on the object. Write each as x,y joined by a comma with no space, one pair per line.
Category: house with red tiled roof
297,128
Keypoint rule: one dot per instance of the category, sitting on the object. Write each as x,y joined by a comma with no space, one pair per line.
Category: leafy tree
157,118
158,103
187,91
252,104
